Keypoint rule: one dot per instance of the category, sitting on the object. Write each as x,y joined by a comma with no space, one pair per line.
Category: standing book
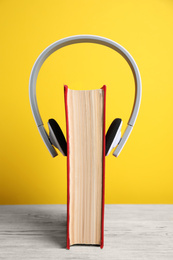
85,124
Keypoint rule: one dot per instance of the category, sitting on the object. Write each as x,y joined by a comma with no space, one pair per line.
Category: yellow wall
143,173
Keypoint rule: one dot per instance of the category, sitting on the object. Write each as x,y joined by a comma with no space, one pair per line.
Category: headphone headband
79,39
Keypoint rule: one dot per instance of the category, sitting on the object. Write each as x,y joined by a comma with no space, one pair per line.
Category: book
85,127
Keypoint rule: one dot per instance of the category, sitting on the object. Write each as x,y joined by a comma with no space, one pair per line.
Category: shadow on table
50,225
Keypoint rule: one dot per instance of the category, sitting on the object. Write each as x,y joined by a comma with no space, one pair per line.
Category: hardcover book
85,124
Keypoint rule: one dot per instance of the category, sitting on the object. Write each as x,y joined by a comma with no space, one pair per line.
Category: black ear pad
111,133
57,137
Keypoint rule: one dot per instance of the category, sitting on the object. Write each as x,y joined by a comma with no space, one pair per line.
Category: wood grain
85,120
132,232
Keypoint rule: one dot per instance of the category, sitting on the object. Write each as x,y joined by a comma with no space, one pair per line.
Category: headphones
56,137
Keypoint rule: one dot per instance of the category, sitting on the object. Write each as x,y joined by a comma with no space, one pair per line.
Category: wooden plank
132,232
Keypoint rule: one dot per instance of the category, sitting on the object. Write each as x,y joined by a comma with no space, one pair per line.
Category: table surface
130,232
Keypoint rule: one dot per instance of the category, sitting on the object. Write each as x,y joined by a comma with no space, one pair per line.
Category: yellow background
143,173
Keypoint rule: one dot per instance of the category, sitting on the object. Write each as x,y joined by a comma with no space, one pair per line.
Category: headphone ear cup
113,135
56,136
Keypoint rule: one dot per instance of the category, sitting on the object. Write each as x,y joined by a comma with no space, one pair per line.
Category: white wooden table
131,232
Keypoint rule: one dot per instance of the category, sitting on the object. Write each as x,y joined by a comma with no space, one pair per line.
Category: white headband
79,39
